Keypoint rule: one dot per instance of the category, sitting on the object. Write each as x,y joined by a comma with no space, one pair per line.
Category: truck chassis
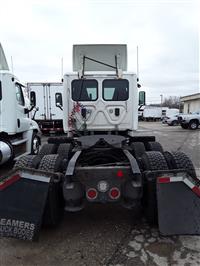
70,173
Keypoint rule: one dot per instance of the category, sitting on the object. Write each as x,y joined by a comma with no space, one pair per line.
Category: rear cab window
115,89
84,90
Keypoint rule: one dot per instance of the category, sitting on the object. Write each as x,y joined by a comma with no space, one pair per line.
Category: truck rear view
46,113
101,159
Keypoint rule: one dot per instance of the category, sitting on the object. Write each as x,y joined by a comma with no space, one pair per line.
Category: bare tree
172,102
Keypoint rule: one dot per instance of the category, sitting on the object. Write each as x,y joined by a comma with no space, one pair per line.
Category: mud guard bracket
23,196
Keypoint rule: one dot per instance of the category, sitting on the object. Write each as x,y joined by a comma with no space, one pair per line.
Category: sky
37,34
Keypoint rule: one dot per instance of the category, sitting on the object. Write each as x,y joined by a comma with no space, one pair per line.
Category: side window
19,94
84,90
58,98
115,89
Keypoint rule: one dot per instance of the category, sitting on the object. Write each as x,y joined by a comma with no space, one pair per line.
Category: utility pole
161,99
137,63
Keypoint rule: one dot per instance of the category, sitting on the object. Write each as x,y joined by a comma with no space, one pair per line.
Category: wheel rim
36,145
193,125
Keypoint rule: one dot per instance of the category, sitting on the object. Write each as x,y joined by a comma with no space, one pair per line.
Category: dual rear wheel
50,159
151,157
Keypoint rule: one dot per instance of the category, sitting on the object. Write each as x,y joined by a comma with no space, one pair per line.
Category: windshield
84,90
115,90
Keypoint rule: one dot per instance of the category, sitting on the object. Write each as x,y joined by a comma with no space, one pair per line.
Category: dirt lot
105,235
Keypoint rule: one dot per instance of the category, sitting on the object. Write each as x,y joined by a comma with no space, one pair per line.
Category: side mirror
142,98
58,100
33,99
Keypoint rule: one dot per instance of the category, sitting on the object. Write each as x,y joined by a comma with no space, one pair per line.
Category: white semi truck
102,159
46,113
19,135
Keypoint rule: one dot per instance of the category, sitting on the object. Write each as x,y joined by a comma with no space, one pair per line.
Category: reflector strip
40,178
196,190
187,181
164,180
8,181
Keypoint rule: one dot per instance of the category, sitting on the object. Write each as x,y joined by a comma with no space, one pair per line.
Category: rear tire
154,146
55,203
138,149
51,163
64,150
182,161
28,161
152,161
48,149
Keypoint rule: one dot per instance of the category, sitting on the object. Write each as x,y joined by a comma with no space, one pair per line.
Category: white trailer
47,114
152,113
18,133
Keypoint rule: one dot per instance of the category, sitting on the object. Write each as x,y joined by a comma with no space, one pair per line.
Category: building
191,103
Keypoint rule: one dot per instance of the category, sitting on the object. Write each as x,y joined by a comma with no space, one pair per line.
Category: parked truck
101,159
190,121
19,135
46,113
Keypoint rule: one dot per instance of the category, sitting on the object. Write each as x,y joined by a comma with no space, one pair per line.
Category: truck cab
18,133
101,100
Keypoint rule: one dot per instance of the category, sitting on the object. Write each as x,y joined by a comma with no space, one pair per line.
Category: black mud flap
23,196
178,201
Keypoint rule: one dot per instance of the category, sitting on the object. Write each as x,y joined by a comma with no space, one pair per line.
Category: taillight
120,173
91,193
114,193
163,179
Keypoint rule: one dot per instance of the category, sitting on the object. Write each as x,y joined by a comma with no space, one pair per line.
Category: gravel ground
111,235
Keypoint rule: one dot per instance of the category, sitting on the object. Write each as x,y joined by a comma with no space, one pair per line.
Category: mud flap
178,201
23,196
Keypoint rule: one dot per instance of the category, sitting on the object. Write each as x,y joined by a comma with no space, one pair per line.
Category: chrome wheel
35,145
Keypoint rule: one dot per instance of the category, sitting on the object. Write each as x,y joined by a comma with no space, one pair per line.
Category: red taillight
114,193
91,193
164,179
196,190
120,173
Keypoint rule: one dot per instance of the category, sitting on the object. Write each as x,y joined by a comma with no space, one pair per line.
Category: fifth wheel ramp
178,200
